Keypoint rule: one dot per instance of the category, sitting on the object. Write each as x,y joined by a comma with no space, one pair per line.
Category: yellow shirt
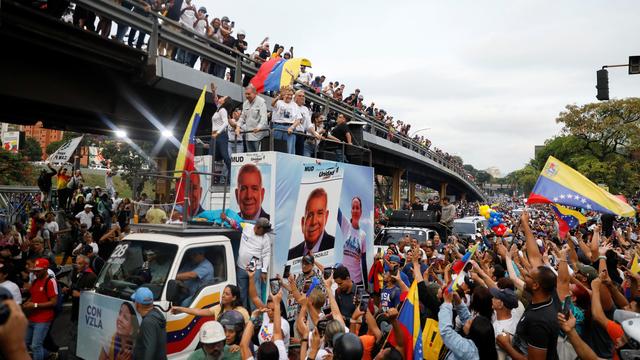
62,181
156,216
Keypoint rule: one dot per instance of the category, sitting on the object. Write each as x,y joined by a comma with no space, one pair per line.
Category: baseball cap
203,9
212,332
225,18
394,258
589,271
88,206
142,296
264,223
40,264
241,32
507,296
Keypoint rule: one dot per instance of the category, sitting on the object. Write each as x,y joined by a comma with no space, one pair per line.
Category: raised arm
596,306
533,253
335,310
563,274
253,293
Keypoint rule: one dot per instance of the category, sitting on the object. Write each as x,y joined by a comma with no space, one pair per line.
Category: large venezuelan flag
558,183
567,219
275,73
409,320
185,159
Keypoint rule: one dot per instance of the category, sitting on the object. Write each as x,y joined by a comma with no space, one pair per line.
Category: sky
486,78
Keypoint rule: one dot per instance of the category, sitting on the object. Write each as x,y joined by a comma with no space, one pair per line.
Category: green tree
15,169
600,140
131,159
606,128
31,149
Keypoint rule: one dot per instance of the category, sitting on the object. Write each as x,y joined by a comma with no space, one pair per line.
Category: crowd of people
530,294
195,21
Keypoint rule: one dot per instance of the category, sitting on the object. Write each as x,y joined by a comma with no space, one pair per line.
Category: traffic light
602,85
634,65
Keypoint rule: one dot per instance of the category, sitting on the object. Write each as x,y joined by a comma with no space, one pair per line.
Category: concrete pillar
412,191
395,188
443,190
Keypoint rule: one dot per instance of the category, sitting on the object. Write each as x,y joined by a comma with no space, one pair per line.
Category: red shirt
40,295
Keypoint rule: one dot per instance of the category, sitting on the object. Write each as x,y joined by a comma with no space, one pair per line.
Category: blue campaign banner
324,207
107,327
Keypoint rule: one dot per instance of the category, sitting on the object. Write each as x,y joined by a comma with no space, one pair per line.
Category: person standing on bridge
342,134
253,119
286,117
448,215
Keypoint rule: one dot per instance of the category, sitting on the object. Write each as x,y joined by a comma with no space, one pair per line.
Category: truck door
212,268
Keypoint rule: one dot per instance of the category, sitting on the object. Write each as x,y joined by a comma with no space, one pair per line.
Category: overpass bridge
72,79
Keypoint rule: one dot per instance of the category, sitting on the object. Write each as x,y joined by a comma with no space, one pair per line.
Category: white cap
212,332
241,32
88,206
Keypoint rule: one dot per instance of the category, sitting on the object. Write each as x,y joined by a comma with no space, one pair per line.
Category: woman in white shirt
285,118
218,147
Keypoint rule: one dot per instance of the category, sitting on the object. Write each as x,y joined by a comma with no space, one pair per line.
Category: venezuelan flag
409,320
275,73
558,183
185,159
567,219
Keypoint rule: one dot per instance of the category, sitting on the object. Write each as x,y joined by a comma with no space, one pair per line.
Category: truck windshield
464,228
392,236
134,264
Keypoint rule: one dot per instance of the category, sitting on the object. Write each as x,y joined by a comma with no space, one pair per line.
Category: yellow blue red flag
409,320
567,219
559,183
185,160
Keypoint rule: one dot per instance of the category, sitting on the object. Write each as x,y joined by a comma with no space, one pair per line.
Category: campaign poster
107,327
313,221
251,191
202,164
325,207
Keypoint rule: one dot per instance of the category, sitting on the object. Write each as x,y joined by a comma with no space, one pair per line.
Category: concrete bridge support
395,188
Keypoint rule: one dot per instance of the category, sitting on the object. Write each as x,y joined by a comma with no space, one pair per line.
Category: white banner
11,141
64,152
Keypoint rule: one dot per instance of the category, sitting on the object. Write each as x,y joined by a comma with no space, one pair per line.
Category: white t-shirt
305,123
85,218
285,113
201,26
355,245
188,17
13,289
266,330
219,121
304,77
52,227
508,326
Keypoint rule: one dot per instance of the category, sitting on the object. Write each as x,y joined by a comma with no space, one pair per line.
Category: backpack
57,309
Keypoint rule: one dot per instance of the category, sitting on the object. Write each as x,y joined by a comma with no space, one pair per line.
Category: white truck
152,258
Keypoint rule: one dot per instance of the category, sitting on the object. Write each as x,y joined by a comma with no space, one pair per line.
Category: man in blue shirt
394,261
197,272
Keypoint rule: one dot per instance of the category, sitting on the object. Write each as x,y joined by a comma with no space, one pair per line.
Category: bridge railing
162,29
351,153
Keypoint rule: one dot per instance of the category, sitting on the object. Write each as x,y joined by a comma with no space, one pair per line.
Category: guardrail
160,28
348,150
